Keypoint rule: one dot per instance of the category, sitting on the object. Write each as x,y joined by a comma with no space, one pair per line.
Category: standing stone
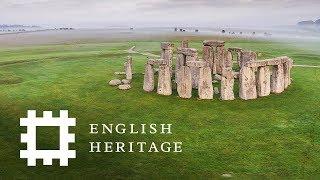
227,83
247,56
205,88
277,79
128,68
167,52
263,81
227,64
247,82
164,81
180,61
287,74
184,85
148,82
208,56
219,56
194,70
184,44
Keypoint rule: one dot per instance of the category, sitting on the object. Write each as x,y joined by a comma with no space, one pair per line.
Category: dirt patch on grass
9,78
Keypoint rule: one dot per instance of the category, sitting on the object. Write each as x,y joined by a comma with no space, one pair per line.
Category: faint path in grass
133,51
306,66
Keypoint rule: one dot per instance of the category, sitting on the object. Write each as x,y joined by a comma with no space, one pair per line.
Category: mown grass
275,136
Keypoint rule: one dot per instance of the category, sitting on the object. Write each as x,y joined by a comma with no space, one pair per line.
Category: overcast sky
205,13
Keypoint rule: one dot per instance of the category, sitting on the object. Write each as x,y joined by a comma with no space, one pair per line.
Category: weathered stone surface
148,82
184,85
205,88
219,57
208,56
287,74
263,81
227,64
196,64
247,83
167,56
184,44
180,61
167,45
128,68
268,62
277,79
247,56
126,81
124,86
227,83
236,49
115,82
187,51
213,43
195,76
164,81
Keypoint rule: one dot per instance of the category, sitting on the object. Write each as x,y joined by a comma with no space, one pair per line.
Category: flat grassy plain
270,137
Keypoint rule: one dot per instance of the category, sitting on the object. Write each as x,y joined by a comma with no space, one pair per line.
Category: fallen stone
184,85
217,77
126,81
226,175
124,86
115,82
205,88
263,81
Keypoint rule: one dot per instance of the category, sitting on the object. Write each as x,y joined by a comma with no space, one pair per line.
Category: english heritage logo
32,122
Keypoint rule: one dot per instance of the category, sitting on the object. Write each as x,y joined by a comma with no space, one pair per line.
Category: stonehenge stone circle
257,78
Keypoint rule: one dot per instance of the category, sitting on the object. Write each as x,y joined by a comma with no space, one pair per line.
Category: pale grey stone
227,83
124,86
164,81
115,82
126,81
263,81
205,88
184,85
247,83
277,79
148,82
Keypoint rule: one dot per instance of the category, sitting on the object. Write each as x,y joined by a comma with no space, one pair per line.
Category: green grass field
275,136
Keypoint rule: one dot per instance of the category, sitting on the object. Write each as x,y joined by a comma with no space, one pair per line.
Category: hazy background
157,13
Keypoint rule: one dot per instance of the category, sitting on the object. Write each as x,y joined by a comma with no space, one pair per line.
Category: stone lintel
213,43
167,45
187,51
